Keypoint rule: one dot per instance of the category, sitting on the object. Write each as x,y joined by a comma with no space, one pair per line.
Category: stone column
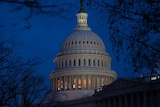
100,79
92,83
56,84
70,82
64,82
87,82
76,82
97,77
95,80
81,78
82,87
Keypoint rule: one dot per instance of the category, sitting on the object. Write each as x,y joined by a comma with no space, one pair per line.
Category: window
79,82
94,64
79,62
89,62
74,62
98,62
84,83
84,61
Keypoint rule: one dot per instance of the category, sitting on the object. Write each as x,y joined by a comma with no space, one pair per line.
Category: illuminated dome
82,41
82,65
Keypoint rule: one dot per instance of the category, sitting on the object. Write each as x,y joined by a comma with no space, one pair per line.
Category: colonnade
137,99
80,82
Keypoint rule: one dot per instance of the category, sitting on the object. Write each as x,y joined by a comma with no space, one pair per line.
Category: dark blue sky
47,33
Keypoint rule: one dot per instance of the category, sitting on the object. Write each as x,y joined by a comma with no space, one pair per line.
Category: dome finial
81,7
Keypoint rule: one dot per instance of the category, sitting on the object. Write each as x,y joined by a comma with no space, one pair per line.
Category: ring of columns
80,81
78,84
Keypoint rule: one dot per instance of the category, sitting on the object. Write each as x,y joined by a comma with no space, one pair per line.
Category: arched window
79,62
89,62
84,61
98,62
74,62
102,63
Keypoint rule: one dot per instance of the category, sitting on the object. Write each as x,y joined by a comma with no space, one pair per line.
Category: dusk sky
44,38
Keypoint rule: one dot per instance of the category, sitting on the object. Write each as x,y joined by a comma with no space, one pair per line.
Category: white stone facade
82,64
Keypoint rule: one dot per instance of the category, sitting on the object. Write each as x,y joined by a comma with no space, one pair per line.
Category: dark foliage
22,11
134,31
19,83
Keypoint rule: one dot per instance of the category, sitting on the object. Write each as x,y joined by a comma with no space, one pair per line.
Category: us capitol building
82,65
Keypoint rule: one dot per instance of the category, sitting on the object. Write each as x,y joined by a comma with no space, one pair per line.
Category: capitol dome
82,65
82,41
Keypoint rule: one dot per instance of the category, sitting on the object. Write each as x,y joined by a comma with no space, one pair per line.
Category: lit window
59,85
79,83
84,83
